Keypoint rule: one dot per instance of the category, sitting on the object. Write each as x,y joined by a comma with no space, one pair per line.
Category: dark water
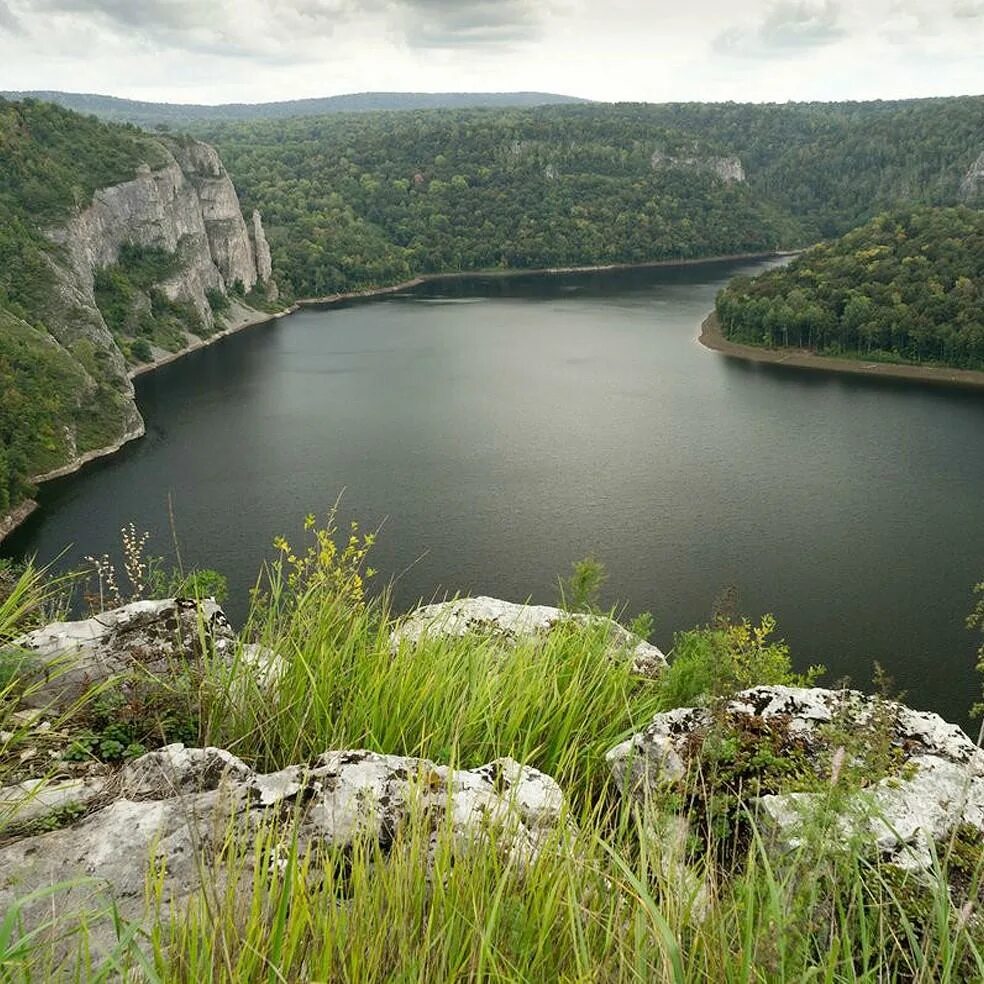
503,428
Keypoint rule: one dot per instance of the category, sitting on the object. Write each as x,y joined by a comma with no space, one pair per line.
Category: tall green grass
604,902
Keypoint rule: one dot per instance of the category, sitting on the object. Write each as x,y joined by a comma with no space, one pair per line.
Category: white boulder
179,807
513,623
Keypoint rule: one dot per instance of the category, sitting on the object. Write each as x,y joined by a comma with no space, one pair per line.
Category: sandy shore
712,338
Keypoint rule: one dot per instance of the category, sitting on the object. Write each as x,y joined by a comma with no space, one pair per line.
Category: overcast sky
258,50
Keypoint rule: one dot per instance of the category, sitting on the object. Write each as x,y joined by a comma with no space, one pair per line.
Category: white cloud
787,27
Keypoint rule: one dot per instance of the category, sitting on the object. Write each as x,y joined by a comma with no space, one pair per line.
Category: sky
213,51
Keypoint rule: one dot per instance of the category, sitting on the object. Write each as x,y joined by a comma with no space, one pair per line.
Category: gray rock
37,799
180,805
728,169
973,182
261,248
63,660
937,786
899,819
512,622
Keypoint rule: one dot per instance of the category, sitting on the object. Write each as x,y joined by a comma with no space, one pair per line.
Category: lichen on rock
780,750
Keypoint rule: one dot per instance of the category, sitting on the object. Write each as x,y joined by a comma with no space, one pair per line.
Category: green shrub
717,661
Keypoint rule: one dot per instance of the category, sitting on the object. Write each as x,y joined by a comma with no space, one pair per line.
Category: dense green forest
357,200
40,386
51,161
907,286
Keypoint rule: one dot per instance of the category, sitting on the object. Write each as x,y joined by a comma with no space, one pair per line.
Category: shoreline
711,337
508,274
250,317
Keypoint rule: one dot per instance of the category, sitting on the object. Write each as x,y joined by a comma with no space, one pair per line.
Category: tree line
907,286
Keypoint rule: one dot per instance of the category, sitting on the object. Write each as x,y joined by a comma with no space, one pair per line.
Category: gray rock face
179,805
973,182
937,783
64,659
230,244
35,799
189,207
261,248
728,169
512,622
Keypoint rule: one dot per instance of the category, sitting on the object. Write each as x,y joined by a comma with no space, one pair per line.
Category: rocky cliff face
261,248
187,208
728,169
973,183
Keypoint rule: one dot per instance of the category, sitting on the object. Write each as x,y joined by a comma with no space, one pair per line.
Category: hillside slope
359,200
151,114
115,248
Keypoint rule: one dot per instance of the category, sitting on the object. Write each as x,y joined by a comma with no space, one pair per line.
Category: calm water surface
502,428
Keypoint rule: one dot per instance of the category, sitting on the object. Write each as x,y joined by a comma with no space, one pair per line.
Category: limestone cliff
728,169
188,207
184,209
973,183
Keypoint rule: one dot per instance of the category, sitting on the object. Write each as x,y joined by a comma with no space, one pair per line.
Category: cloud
9,23
450,23
968,9
286,29
268,30
789,27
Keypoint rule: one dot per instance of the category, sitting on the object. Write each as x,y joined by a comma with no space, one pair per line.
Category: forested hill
908,286
357,200
151,114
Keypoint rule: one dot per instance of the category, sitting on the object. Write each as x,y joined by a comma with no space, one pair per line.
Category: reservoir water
501,428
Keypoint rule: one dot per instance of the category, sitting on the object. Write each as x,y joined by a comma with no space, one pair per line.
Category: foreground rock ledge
935,786
516,623
178,806
62,661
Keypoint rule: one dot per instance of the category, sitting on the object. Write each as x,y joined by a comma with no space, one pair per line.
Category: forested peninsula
905,288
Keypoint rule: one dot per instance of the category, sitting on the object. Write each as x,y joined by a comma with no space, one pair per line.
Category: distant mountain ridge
119,110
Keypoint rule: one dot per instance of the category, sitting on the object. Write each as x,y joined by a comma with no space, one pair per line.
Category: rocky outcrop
181,809
189,206
230,243
186,206
972,185
923,778
261,248
64,659
728,169
512,623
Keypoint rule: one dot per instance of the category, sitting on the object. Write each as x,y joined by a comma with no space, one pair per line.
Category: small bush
717,661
